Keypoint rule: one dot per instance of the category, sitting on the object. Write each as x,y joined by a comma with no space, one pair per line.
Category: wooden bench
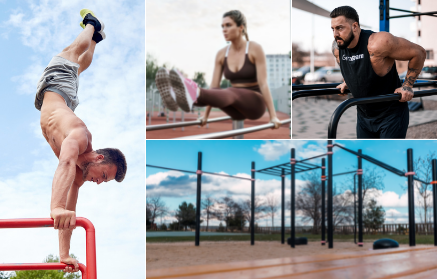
415,262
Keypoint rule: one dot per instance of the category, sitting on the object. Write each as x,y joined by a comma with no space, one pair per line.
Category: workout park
323,164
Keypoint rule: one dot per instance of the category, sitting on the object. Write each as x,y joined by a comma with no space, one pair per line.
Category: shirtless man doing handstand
69,137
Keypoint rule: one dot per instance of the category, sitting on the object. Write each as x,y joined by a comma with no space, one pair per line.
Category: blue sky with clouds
235,157
112,102
368,12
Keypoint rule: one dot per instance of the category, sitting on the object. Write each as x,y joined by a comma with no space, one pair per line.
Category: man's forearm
62,181
415,65
64,243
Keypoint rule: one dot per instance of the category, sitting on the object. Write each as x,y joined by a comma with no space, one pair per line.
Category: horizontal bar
316,92
307,159
314,86
226,175
226,134
379,163
342,173
414,14
158,167
184,124
405,11
308,169
40,266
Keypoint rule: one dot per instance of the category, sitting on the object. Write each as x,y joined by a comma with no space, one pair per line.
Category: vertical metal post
198,196
360,200
434,197
323,200
384,14
411,217
283,206
252,207
330,213
238,124
355,208
292,200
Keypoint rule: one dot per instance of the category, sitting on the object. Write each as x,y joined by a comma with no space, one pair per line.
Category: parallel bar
308,169
314,86
184,124
158,167
198,198
252,207
226,134
91,270
40,266
313,93
335,118
411,216
414,14
360,200
330,213
323,201
342,173
307,159
283,207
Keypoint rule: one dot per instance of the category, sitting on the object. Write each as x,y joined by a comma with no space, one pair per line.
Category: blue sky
235,157
112,103
368,12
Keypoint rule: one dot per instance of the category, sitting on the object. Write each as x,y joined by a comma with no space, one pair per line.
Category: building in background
425,29
278,70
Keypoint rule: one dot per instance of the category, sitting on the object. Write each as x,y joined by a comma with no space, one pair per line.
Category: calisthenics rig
299,166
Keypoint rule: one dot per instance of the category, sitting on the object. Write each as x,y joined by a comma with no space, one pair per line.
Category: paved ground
311,118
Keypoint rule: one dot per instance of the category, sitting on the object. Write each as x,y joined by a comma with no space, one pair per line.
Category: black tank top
362,80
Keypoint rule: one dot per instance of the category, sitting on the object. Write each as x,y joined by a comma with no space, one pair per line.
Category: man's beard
346,42
86,168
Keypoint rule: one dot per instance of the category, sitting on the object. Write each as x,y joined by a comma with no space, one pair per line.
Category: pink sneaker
168,96
185,89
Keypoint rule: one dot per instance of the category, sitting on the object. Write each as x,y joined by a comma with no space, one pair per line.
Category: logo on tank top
353,57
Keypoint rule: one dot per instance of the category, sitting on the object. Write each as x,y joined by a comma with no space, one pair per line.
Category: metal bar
238,124
384,13
406,11
343,173
414,14
360,200
184,124
411,217
380,164
225,175
283,207
306,163
40,266
198,197
274,174
314,86
355,208
323,201
330,213
293,202
434,197
252,207
90,270
284,164
307,159
317,92
308,170
226,134
158,167
335,118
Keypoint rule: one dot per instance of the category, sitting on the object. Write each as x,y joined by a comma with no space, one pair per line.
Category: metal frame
88,272
184,124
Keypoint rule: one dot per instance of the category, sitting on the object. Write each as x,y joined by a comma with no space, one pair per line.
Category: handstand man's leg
87,57
80,45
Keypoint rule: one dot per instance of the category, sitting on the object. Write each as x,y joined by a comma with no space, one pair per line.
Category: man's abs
58,121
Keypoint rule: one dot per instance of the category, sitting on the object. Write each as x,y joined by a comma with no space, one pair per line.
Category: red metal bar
90,270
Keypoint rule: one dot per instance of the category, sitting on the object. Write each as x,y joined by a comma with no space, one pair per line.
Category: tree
4,275
225,83
199,78
374,215
207,204
271,206
309,200
186,215
46,274
236,219
156,207
247,210
424,199
298,54
225,208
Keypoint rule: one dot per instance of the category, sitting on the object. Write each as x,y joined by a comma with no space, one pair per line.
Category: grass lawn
402,239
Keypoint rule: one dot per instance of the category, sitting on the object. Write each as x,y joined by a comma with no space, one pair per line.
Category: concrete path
311,118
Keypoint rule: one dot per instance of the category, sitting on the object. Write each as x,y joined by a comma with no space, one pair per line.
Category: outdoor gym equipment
88,272
329,89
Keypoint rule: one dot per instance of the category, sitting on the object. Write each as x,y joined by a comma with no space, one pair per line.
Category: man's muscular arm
336,54
65,235
385,45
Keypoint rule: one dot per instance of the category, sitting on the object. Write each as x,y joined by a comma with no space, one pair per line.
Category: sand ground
165,255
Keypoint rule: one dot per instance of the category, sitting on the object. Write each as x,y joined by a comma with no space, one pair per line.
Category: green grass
402,239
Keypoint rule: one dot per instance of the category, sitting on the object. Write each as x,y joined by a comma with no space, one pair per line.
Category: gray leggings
238,103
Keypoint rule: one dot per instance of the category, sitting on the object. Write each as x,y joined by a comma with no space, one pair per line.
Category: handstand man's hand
70,261
64,219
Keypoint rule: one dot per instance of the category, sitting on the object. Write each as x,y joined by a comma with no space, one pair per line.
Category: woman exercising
243,64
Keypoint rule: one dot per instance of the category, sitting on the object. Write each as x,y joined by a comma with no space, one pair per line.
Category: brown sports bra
247,74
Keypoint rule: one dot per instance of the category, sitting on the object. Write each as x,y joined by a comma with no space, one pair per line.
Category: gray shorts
61,76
